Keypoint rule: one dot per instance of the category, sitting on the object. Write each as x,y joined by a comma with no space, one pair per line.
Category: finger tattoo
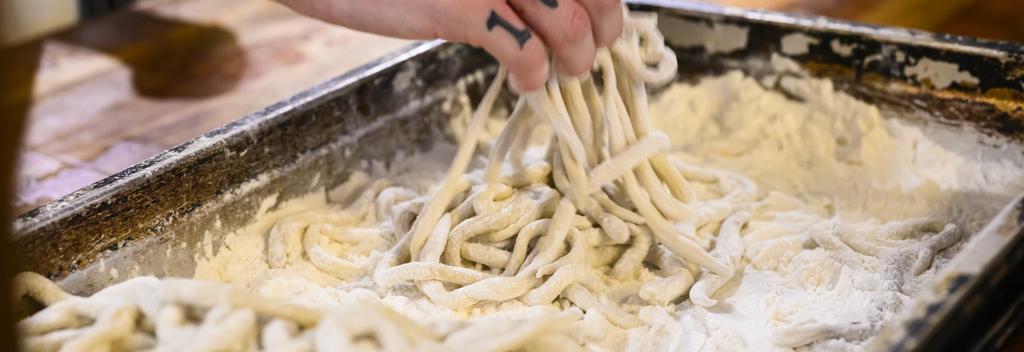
521,35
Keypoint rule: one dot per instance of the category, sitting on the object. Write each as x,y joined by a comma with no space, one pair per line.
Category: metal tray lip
101,190
960,279
999,49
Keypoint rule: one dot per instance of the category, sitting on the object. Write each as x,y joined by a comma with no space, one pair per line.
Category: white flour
840,163
833,146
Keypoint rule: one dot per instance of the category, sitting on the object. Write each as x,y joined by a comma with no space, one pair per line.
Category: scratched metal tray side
958,82
968,307
154,214
936,77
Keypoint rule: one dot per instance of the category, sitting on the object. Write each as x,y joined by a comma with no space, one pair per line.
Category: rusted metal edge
972,45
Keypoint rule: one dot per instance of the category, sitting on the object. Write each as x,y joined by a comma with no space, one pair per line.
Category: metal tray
151,218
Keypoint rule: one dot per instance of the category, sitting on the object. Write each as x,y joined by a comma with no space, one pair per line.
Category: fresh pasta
606,224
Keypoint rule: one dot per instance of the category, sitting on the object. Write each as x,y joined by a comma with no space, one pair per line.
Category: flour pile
725,216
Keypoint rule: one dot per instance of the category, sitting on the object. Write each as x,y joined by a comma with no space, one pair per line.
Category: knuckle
518,60
577,25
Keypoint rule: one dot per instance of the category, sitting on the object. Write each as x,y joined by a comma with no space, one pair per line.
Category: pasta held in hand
604,224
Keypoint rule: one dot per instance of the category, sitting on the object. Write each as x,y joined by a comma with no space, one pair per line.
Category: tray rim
892,34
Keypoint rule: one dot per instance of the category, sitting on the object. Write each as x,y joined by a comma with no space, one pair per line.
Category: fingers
606,20
519,33
495,27
565,26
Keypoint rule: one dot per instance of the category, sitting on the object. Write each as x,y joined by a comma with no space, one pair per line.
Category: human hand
519,33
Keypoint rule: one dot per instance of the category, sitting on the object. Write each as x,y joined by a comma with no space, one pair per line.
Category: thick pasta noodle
605,223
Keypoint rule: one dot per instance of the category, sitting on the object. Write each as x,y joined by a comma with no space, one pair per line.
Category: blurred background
107,92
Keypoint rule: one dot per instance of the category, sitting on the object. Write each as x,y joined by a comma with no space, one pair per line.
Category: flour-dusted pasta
584,226
147,313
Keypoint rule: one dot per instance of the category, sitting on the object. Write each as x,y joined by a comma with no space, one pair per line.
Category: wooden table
112,92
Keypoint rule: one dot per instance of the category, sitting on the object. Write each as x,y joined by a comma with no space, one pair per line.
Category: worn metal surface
882,65
151,219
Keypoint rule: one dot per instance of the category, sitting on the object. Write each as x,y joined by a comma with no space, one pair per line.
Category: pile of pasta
605,224
147,313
